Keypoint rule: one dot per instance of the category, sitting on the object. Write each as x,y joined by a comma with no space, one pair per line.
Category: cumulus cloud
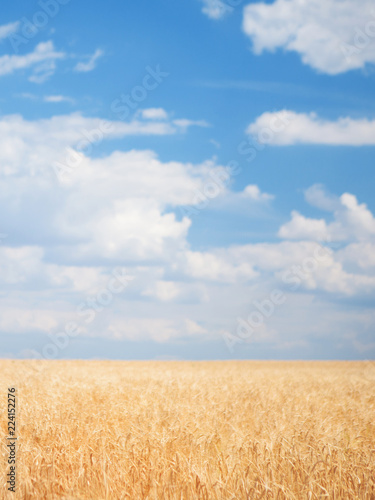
44,144
317,196
332,36
163,290
157,329
352,221
359,256
302,228
128,217
292,266
42,59
251,202
253,192
308,128
85,67
24,265
215,266
175,292
122,209
127,195
303,265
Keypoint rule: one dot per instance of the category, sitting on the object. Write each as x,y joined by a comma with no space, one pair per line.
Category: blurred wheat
186,430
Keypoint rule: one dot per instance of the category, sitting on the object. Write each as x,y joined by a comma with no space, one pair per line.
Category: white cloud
216,266
158,329
333,36
57,98
302,228
46,98
8,29
42,59
292,266
43,72
216,9
285,262
303,128
178,292
358,256
136,224
34,146
250,202
91,63
184,123
352,221
122,209
318,197
253,192
163,290
154,114
24,266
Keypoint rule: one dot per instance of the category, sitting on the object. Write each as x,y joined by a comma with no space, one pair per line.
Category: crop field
186,430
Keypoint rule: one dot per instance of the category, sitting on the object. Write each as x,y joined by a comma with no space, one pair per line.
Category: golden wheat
185,430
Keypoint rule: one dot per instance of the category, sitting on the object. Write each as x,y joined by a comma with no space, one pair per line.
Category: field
181,430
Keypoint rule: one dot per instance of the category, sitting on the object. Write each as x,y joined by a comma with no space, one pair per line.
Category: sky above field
190,179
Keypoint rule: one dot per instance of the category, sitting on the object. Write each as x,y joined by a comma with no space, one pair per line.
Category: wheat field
186,430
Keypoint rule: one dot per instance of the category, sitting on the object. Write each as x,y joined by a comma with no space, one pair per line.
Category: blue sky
219,154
